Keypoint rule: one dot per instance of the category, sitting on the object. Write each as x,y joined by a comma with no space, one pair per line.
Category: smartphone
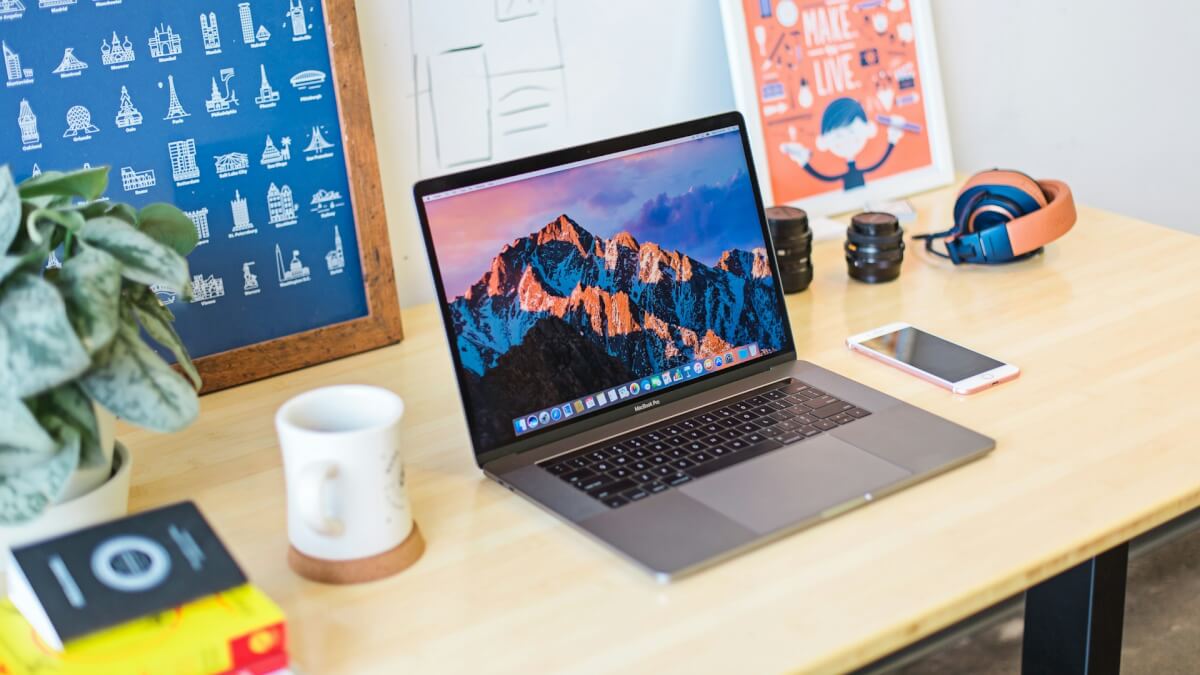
932,358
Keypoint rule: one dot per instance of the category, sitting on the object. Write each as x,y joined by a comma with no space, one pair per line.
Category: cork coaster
362,570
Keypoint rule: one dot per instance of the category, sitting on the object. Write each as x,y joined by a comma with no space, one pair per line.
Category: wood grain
1096,444
382,325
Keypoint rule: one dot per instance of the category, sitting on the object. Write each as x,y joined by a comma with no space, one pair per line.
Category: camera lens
874,247
792,240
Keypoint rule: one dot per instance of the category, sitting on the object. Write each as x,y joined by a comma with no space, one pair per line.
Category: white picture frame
938,172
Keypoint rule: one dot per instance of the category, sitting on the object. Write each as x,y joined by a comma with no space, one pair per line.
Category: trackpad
794,484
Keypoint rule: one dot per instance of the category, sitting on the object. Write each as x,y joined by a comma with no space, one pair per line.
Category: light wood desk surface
1096,441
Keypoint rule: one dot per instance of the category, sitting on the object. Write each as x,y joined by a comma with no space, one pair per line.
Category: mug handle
316,498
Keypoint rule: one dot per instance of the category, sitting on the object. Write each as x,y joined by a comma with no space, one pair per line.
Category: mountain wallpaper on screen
562,313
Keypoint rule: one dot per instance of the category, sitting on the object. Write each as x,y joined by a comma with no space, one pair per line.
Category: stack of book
153,593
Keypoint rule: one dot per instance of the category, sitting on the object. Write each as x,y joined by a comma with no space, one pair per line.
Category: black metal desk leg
1073,621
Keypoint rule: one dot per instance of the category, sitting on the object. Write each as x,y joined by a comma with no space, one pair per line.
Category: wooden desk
1096,444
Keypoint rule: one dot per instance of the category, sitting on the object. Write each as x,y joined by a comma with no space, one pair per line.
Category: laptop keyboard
695,444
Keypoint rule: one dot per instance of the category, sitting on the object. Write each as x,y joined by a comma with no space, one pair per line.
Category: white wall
1103,94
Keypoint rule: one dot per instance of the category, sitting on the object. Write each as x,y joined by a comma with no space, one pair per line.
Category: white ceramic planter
84,480
108,501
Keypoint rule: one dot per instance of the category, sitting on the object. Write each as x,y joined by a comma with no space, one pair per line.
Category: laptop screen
587,286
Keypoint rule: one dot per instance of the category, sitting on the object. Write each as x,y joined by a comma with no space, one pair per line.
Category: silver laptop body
738,442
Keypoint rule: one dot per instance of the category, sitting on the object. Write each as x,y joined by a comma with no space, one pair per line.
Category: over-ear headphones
1002,216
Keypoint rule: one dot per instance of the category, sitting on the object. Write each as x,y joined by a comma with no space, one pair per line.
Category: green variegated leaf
35,222
132,382
23,442
10,209
25,494
157,321
8,265
42,349
168,225
87,184
142,259
90,283
71,406
125,212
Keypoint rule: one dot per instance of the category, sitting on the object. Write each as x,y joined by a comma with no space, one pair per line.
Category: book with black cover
105,575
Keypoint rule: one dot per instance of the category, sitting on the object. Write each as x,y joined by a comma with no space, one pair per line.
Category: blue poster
226,109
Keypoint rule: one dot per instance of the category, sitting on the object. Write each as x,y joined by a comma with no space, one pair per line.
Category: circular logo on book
131,564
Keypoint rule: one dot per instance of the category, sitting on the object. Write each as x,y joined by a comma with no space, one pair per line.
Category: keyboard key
732,433
684,463
593,482
765,422
809,430
699,458
824,425
654,436
687,425
843,418
642,453
635,443
560,468
578,475
670,431
611,488
718,451
679,479
754,438
695,434
727,461
736,445
730,422
742,406
578,462
603,466
635,494
620,473
795,386
747,416
773,395
659,459
664,470
644,477
713,440
615,502
771,432
747,428
789,437
654,448
599,455
676,441
813,392
654,488
820,402
756,400
679,453
694,446
776,405
859,413
708,418
725,412
788,425
711,428
639,466
763,410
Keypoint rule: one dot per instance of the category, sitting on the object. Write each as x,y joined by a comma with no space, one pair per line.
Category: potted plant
72,353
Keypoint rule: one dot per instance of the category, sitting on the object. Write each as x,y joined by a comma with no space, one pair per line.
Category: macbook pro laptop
625,358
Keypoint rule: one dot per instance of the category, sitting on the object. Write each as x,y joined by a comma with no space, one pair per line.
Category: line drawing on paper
497,89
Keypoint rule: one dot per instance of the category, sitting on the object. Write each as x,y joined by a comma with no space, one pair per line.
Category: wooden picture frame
382,325
777,48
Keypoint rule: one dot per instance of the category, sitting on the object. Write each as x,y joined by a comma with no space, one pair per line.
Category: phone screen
932,354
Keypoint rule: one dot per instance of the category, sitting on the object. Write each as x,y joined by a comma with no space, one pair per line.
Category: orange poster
839,92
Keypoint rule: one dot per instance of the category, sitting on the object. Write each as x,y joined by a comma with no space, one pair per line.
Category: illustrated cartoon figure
845,131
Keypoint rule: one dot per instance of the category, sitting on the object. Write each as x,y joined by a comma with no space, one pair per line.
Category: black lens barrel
792,239
874,247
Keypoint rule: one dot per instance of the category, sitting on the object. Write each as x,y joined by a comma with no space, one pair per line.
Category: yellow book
238,631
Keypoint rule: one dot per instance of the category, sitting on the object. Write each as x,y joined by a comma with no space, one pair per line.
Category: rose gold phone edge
976,383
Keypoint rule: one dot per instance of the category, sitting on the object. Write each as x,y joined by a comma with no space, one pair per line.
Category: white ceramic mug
345,477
